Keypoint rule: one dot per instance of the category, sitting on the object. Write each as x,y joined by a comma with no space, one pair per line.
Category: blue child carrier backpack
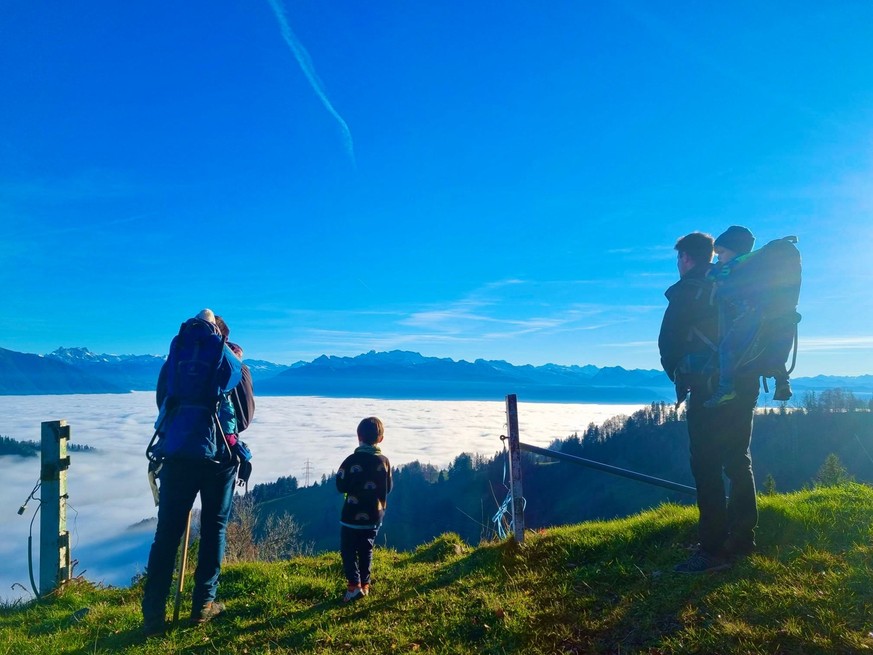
768,281
199,369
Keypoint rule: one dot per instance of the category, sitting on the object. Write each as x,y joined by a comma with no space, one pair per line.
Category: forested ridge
10,446
789,448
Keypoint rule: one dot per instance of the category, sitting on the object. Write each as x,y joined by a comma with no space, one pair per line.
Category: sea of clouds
109,492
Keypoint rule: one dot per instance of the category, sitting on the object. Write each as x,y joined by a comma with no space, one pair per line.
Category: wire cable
30,549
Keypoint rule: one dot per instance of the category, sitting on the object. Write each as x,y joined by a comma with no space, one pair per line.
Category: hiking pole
182,566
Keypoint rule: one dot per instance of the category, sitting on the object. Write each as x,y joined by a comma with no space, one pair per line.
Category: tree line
10,446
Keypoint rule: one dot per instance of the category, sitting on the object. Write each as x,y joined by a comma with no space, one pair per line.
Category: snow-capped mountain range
394,374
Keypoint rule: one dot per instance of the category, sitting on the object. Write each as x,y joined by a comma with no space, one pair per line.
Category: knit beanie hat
737,238
206,315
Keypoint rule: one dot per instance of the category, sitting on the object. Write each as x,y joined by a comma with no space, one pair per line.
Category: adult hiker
199,370
719,436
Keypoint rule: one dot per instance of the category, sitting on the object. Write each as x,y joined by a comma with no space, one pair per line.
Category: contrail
305,62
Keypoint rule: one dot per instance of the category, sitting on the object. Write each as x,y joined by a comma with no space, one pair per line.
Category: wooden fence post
515,468
55,563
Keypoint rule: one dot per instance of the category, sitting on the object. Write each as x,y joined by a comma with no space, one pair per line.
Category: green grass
604,587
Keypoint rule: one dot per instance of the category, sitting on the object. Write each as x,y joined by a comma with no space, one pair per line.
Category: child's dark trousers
356,549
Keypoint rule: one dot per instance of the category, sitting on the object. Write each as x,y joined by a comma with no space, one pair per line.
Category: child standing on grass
365,479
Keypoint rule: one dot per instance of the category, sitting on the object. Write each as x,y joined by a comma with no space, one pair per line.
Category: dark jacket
690,324
365,478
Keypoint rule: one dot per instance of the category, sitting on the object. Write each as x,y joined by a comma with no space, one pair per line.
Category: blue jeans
181,480
356,550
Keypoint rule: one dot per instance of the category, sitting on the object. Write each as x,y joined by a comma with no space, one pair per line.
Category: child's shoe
365,589
782,391
721,396
354,592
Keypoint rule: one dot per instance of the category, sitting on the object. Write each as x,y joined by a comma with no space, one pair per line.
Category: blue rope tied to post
501,511
506,506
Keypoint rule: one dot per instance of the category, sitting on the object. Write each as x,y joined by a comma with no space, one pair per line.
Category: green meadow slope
604,587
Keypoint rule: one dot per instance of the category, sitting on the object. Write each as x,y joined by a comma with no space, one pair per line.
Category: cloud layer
109,491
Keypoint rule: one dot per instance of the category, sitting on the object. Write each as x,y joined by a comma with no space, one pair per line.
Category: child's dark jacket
365,478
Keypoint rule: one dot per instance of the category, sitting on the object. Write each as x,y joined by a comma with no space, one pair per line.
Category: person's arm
673,325
231,366
689,307
342,483
389,480
161,390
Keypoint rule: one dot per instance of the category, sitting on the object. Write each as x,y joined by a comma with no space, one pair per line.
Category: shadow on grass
315,620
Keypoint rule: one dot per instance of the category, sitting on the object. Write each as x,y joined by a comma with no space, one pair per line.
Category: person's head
206,315
370,431
734,241
693,250
222,327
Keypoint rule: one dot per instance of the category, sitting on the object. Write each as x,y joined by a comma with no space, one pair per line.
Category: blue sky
467,180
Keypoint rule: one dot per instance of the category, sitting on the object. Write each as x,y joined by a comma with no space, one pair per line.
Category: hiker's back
199,369
193,363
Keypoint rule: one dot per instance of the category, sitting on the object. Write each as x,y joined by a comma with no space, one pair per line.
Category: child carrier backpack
767,281
198,370
194,361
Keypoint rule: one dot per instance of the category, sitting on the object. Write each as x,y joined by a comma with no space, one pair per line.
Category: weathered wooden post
515,468
55,566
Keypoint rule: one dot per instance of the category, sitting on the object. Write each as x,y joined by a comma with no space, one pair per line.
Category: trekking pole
182,566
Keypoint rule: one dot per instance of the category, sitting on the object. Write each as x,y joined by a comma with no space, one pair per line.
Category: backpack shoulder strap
695,332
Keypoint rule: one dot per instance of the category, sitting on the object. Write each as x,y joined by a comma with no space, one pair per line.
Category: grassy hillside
788,449
603,587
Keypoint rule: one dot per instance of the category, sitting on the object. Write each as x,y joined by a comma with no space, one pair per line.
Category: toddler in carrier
740,316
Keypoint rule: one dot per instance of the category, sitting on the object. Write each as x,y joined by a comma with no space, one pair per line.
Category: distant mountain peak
23,373
79,354
82,356
392,356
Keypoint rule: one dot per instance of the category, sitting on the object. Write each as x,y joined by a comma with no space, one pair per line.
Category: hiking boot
782,392
354,592
721,396
154,627
206,613
702,562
